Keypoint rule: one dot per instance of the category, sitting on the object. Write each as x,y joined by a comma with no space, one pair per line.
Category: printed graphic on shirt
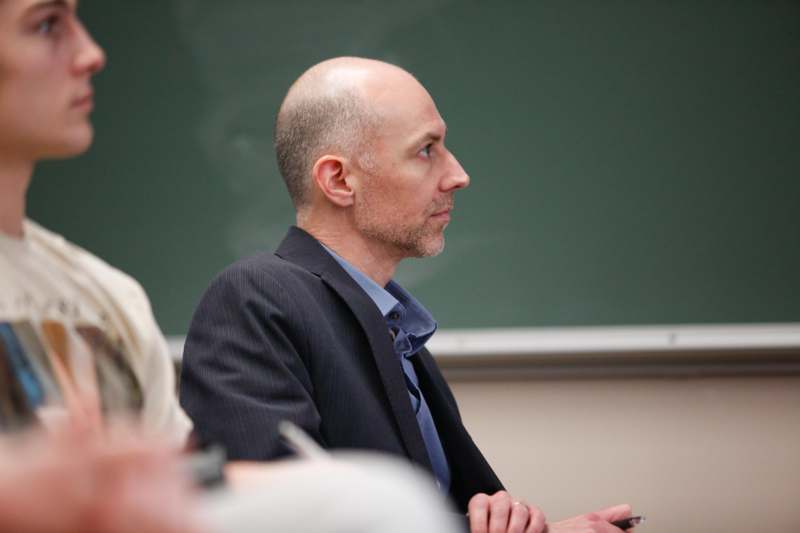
15,409
72,366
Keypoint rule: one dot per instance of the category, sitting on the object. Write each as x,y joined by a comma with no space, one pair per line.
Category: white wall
694,455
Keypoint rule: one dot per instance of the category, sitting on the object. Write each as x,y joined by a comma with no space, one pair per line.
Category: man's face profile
405,194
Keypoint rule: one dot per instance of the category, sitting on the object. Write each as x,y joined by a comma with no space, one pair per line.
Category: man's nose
457,177
89,58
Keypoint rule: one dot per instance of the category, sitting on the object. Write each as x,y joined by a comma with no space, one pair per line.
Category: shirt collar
411,316
382,298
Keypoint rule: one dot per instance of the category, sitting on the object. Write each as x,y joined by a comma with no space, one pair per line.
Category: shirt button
394,315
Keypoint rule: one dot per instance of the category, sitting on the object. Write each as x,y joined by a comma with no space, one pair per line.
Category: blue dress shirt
410,325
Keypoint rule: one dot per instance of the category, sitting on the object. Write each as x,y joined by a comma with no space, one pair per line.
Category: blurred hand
596,522
82,480
245,475
500,513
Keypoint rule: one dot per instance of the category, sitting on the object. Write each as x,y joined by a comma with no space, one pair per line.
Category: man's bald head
329,109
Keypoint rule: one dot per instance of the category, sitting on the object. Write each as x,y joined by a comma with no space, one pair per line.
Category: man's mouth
84,101
442,213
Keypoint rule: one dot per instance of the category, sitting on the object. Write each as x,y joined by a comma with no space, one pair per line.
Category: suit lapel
302,249
469,470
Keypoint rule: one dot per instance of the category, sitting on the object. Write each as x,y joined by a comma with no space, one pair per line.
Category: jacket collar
302,249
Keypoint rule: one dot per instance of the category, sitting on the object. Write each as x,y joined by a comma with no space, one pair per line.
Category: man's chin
413,244
432,248
72,145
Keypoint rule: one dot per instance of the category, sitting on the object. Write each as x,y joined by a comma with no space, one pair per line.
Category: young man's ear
330,173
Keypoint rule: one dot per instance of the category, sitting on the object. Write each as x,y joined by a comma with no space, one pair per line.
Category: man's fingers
617,512
479,513
518,517
537,522
499,512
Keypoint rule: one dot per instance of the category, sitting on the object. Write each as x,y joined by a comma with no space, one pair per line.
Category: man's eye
426,152
48,25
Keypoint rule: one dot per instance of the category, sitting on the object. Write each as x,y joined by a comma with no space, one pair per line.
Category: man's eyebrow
45,4
430,135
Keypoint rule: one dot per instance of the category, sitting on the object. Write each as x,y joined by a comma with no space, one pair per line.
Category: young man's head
47,60
360,144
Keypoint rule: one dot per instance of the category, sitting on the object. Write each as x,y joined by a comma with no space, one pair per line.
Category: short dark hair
309,126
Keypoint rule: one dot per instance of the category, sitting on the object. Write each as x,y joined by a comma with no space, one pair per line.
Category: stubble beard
400,237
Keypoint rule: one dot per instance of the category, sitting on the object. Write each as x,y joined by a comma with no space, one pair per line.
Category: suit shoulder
262,270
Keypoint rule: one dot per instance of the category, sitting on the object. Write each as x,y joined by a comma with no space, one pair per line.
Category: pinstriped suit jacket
290,335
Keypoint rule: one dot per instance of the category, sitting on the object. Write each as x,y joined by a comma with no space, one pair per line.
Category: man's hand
81,480
596,522
500,513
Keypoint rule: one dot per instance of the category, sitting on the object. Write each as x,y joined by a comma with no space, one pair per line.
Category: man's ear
331,173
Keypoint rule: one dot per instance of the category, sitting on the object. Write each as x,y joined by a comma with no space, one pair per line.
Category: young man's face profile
47,60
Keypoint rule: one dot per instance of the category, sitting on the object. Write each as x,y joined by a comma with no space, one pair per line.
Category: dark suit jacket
291,336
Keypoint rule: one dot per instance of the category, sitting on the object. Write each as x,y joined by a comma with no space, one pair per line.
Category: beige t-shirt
86,330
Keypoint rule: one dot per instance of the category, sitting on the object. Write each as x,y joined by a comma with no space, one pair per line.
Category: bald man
317,332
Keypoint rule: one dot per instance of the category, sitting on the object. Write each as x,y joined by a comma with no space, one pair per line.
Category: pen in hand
627,523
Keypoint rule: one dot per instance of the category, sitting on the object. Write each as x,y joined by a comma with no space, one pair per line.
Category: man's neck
367,256
14,180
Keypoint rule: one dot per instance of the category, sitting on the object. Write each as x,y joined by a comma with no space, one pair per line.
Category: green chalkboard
632,162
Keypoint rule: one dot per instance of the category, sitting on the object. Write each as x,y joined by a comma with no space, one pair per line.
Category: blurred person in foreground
79,349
